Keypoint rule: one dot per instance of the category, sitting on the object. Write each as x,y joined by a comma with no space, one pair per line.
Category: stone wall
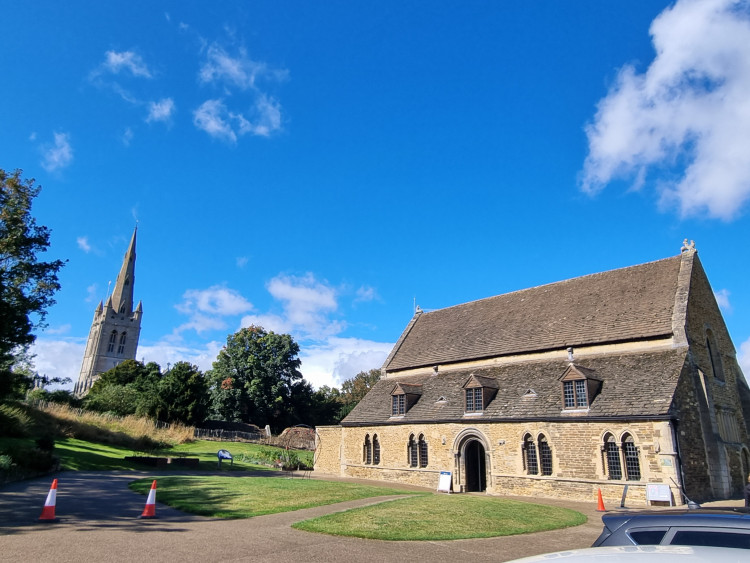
578,464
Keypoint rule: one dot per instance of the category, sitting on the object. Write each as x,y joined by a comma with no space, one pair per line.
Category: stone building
115,329
624,381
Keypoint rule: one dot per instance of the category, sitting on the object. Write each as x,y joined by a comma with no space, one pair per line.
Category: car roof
642,554
708,517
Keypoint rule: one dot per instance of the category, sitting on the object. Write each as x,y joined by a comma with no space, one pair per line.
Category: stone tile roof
633,385
627,304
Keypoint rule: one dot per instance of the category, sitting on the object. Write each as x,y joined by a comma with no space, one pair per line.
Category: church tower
115,329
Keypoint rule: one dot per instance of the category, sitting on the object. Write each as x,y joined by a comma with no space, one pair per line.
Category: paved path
99,522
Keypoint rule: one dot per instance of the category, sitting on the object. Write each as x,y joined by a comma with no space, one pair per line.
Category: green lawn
421,516
244,497
443,517
79,455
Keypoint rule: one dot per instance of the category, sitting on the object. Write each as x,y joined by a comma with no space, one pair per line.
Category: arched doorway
475,466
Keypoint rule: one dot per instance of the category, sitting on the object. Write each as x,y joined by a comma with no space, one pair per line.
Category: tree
253,376
130,387
353,390
182,395
27,285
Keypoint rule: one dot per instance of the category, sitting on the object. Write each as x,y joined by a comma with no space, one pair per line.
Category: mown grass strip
245,497
443,517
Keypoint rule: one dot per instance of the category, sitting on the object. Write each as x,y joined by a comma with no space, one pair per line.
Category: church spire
122,296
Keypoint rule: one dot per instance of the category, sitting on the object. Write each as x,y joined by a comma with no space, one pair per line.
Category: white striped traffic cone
150,510
48,512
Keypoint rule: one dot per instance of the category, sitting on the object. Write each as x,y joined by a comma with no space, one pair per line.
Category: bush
14,421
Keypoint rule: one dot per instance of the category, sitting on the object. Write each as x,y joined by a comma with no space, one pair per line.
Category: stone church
115,329
624,381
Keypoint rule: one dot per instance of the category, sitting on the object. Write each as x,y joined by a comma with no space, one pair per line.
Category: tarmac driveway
98,521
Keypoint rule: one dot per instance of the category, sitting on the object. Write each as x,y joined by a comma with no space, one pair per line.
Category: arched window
375,450
367,450
545,455
412,451
530,459
112,341
713,354
121,347
422,451
612,455
632,464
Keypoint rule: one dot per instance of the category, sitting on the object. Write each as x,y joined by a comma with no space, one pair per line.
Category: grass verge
443,517
245,497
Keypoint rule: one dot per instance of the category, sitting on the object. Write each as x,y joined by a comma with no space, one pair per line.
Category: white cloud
83,244
161,110
241,261
307,303
691,105
722,299
127,136
211,117
365,294
58,358
339,359
58,155
208,307
62,329
132,62
91,292
239,71
269,322
234,73
164,354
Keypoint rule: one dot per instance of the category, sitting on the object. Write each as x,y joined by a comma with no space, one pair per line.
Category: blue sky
319,168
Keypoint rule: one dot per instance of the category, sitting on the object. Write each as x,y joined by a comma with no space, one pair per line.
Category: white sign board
445,484
658,492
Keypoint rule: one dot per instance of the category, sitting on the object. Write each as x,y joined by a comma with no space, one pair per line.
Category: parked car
702,527
642,554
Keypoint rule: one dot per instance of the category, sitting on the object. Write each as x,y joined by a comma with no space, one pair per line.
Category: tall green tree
253,378
27,284
130,387
182,395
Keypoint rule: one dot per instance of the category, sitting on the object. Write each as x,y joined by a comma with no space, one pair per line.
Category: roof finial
689,246
570,354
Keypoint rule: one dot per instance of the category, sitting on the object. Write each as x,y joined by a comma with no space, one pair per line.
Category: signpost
659,493
445,483
224,454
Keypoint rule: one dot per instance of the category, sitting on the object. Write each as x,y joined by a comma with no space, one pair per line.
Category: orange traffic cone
48,512
600,505
150,510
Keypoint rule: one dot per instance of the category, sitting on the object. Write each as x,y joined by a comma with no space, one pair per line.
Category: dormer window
579,387
403,397
479,391
398,405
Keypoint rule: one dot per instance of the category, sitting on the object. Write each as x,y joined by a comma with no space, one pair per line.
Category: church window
121,347
122,309
112,341
545,455
632,464
367,450
529,455
422,451
612,457
375,450
412,451
398,405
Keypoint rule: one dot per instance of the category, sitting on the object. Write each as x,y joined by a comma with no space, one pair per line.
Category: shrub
15,421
